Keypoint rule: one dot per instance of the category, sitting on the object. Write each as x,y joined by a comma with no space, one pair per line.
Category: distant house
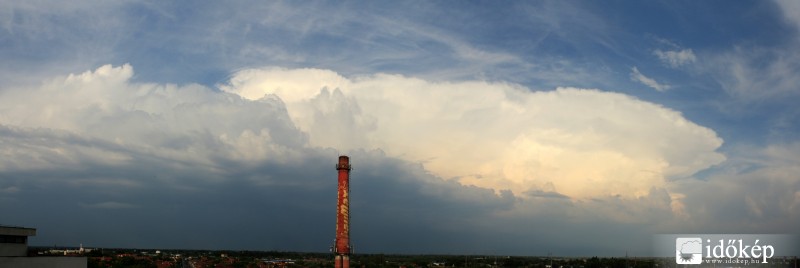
14,251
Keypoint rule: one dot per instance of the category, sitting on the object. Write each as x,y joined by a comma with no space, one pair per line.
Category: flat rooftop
17,231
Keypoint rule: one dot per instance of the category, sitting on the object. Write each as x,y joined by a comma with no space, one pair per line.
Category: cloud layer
676,58
582,143
154,164
647,81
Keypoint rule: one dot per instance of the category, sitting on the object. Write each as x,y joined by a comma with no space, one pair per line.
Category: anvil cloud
582,143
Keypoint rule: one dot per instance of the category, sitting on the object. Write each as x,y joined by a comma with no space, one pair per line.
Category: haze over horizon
574,128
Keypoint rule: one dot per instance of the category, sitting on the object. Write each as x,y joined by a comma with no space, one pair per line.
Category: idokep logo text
690,250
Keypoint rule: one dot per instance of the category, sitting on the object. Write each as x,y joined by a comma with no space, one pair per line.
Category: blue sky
474,127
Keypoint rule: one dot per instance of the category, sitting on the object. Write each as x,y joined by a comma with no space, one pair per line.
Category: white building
14,251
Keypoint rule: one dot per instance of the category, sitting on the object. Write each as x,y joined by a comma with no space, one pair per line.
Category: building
14,240
14,251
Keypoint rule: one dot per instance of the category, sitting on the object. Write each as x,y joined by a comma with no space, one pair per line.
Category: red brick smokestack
341,247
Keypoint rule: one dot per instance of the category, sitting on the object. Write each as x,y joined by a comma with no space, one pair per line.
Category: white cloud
583,144
791,11
647,81
579,142
101,117
676,58
756,190
755,74
576,156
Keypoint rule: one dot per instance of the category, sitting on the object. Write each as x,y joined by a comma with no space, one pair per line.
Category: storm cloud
154,165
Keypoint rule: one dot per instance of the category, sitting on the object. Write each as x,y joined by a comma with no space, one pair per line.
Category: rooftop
17,230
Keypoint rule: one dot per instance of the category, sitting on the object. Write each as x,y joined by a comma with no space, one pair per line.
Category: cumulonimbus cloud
578,156
100,117
582,143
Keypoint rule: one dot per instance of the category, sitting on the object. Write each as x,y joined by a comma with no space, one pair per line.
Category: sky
572,128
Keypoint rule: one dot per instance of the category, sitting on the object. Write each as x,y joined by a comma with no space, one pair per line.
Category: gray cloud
755,190
95,158
143,165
